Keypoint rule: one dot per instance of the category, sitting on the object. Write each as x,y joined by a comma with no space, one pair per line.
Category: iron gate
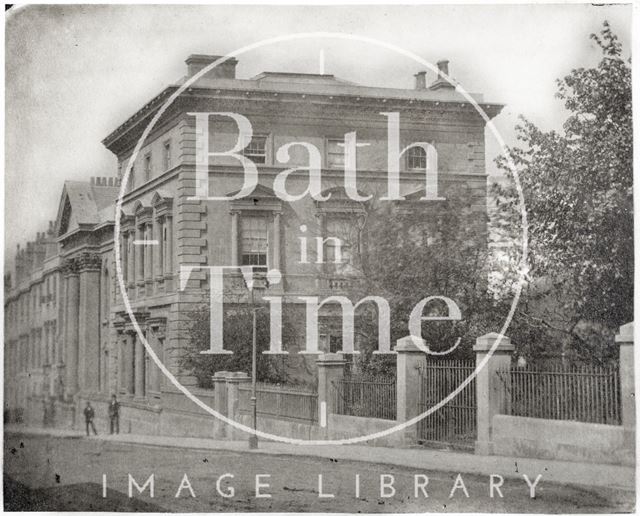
455,422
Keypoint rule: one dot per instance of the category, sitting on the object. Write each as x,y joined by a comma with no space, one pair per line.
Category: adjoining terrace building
91,349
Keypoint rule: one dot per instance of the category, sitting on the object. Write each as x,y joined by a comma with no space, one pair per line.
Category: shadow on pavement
75,497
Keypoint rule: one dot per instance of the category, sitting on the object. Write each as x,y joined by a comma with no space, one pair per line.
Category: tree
577,185
237,334
418,249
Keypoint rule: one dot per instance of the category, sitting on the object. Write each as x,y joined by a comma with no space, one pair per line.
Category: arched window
416,158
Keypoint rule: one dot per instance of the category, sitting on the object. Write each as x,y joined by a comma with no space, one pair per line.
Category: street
57,474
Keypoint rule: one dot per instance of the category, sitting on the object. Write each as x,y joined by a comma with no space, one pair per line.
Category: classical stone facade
81,343
57,308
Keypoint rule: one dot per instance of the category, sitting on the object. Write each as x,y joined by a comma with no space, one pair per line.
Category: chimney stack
443,68
441,81
421,80
226,70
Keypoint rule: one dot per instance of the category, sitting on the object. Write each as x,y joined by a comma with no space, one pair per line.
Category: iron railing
587,393
365,397
454,422
292,403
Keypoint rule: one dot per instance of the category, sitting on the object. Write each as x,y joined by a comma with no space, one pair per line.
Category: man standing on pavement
114,415
89,414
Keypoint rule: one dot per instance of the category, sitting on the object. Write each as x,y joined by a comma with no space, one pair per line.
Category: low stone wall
344,427
177,417
34,413
181,417
559,440
64,415
279,427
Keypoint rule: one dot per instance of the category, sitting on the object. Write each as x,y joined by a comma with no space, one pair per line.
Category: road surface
67,474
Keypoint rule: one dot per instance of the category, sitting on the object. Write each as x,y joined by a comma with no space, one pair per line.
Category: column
157,235
624,338
55,373
89,322
330,368
150,368
46,369
129,362
234,238
121,348
411,358
60,359
276,240
157,385
149,257
491,393
124,257
71,329
168,256
139,252
45,339
52,344
131,259
139,366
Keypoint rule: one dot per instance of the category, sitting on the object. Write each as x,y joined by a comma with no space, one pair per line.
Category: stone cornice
148,109
117,140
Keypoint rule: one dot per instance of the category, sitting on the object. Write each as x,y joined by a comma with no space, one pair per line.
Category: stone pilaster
131,263
130,338
158,260
121,367
140,252
70,268
149,255
89,265
155,337
169,254
139,368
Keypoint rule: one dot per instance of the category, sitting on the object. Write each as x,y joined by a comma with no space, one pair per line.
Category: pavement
562,472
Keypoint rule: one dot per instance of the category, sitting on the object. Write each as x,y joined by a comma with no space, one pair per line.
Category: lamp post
258,282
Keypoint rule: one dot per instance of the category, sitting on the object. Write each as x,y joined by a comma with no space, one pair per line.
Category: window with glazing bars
256,149
254,243
335,154
416,158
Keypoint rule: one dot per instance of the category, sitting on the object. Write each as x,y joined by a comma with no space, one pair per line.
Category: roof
315,84
303,84
83,203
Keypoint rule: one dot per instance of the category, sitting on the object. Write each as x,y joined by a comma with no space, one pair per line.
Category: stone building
57,308
164,229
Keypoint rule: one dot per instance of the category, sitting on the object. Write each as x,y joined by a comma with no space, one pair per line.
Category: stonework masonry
68,336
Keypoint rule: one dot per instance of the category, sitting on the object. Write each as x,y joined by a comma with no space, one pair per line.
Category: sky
74,73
